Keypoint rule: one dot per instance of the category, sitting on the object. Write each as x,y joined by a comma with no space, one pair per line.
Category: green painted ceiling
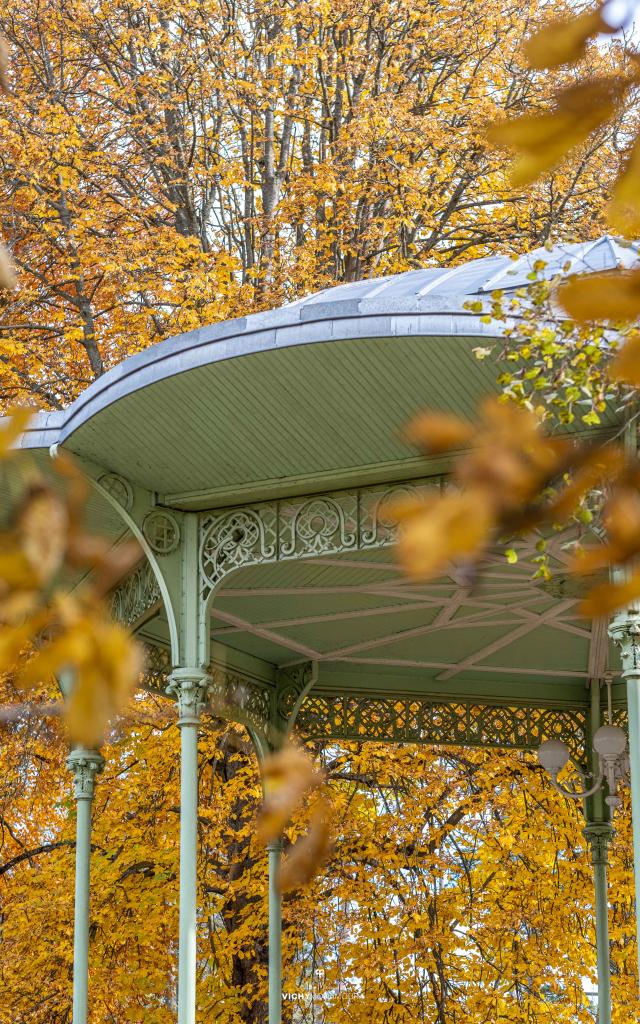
368,627
287,421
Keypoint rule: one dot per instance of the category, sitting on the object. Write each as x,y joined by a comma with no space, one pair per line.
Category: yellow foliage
457,875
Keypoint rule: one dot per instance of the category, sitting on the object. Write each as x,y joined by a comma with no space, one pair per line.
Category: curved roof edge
427,302
43,431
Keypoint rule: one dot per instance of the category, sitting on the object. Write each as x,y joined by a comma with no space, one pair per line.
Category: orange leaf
564,42
623,212
449,528
542,140
289,775
626,365
13,425
608,597
309,853
42,529
598,465
612,295
13,641
439,432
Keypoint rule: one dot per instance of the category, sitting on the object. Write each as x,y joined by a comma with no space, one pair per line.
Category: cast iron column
85,764
625,631
274,850
189,685
599,835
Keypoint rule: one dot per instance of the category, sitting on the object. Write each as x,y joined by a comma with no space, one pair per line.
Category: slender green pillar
189,686
633,709
274,850
598,835
85,764
625,631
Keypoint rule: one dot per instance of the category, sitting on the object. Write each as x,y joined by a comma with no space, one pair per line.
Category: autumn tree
460,887
159,173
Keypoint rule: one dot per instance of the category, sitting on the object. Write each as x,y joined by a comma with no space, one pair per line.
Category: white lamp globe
610,741
553,755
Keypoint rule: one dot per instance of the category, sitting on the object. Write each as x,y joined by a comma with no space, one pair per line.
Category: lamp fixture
610,744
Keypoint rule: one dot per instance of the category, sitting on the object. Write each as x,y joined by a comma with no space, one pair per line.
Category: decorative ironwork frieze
268,709
136,596
275,531
422,720
621,718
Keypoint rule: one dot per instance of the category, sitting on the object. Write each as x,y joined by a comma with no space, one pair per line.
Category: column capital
85,764
624,630
190,688
599,835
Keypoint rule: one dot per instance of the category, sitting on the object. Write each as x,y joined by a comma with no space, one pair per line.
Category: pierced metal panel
157,667
621,718
136,596
417,720
341,521
231,695
238,698
229,540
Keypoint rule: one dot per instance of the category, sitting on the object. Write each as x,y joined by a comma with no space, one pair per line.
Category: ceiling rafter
504,641
479,619
267,634
496,670
342,616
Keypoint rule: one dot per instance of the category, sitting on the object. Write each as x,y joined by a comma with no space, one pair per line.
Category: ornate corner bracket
190,687
84,765
599,836
292,687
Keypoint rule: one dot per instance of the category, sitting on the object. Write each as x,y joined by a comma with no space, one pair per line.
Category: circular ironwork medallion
119,489
161,531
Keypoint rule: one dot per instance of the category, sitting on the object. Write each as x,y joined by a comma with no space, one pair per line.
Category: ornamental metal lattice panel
462,723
